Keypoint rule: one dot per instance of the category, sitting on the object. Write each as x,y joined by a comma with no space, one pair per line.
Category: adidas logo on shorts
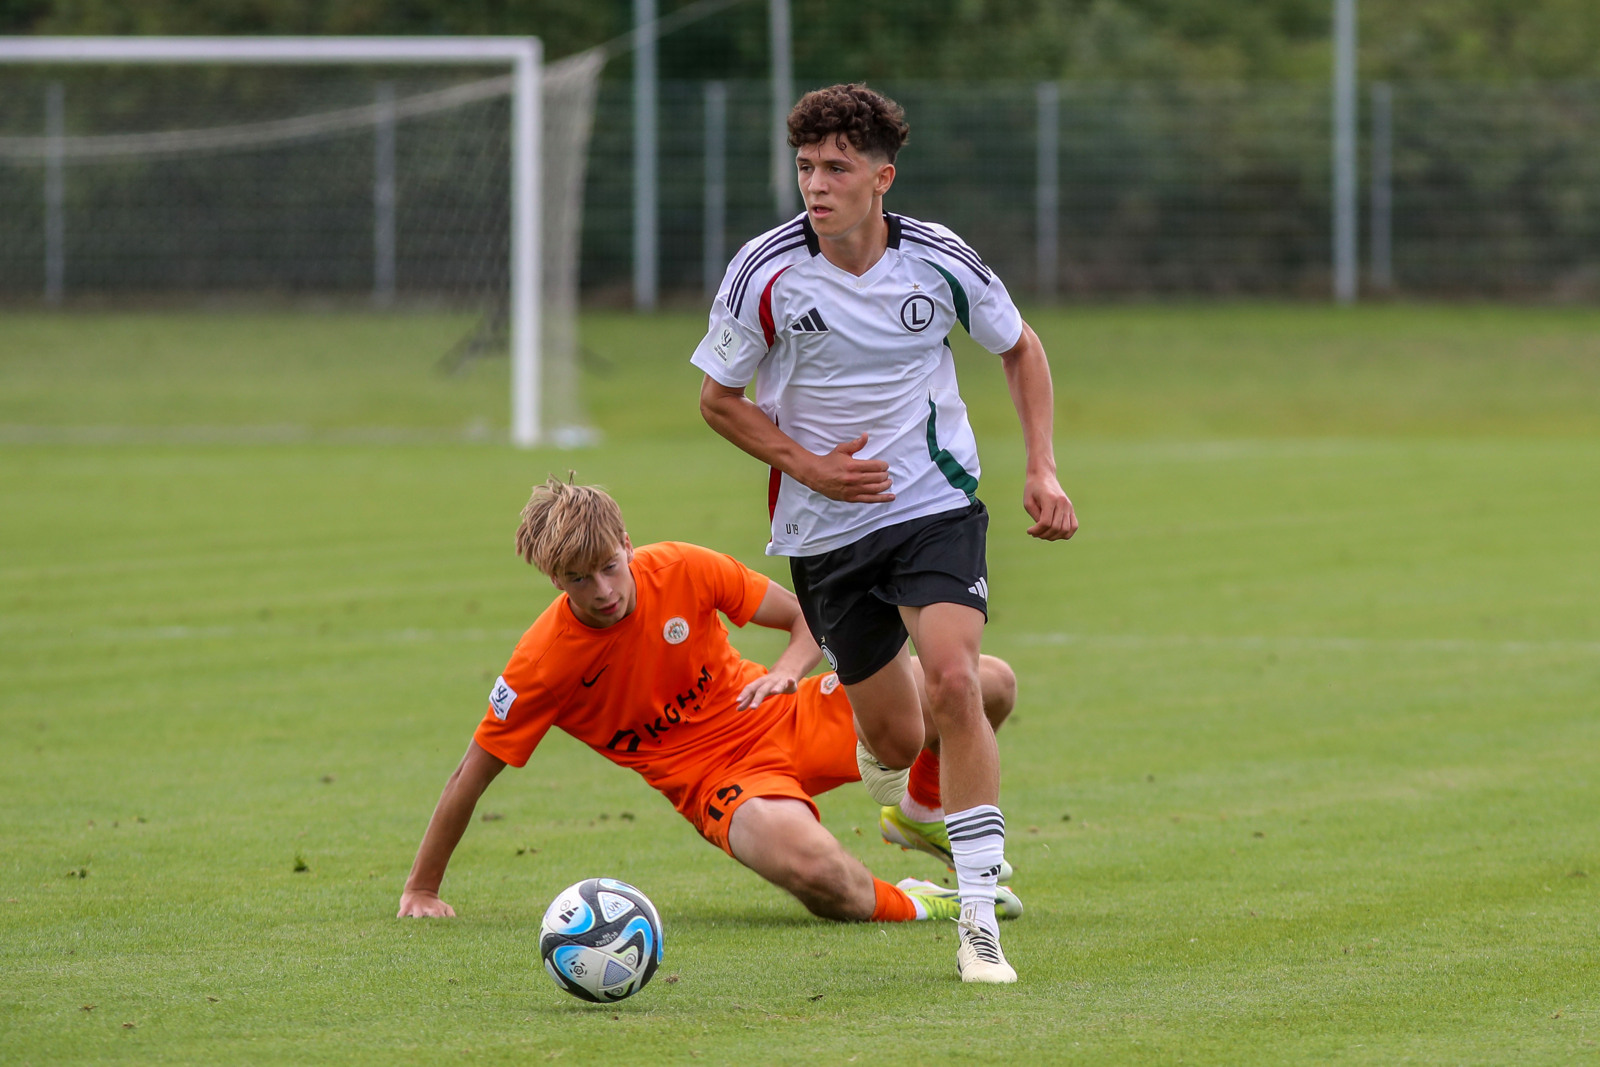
980,589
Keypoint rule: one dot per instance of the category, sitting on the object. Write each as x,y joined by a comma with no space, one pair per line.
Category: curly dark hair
868,120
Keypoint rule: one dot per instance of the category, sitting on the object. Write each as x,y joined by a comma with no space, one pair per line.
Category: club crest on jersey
501,697
830,682
676,631
810,322
916,313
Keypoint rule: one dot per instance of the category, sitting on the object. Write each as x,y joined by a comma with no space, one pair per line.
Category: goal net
386,183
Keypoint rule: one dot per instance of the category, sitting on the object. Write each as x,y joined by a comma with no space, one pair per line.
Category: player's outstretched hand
417,904
765,686
1047,504
838,475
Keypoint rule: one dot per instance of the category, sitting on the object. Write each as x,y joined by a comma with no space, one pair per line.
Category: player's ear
883,179
627,546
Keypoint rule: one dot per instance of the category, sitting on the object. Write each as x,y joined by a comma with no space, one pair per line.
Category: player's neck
859,248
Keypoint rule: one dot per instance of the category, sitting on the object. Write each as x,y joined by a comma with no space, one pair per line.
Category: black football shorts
851,596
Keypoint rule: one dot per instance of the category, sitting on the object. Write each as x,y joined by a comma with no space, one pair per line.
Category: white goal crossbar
523,54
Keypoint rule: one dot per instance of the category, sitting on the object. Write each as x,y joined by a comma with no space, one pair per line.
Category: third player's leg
947,637
996,681
887,709
780,839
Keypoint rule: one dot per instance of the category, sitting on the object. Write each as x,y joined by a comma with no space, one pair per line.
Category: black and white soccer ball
601,940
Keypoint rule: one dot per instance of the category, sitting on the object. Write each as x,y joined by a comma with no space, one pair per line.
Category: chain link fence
1080,191
1070,191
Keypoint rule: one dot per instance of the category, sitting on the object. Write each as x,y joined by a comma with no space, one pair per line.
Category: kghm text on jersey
672,713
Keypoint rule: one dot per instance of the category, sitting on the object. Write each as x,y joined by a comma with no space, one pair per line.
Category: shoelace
983,943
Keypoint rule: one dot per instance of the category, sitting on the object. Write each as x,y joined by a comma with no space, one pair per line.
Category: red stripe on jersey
768,329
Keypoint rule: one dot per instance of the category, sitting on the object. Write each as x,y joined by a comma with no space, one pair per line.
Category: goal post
523,55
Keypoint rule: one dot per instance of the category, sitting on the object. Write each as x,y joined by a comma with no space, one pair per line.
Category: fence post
1382,238
784,192
1047,194
1344,151
716,186
644,155
55,226
383,197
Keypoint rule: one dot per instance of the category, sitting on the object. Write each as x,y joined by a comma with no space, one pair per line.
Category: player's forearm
451,817
799,656
748,427
1033,395
449,823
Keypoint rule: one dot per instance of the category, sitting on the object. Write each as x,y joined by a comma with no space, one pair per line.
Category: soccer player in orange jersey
634,660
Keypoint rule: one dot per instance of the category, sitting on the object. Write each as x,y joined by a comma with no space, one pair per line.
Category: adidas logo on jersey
980,588
810,322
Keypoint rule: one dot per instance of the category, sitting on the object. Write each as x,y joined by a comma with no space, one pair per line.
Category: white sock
978,844
919,812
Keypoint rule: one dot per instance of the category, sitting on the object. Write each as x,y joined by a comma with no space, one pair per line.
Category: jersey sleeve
996,322
735,590
734,344
522,708
991,318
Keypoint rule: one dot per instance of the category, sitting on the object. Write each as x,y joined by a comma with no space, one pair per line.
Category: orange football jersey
654,692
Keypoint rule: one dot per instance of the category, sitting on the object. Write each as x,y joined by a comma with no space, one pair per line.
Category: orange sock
891,905
923,785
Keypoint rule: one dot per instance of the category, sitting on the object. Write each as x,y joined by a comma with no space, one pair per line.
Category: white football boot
978,956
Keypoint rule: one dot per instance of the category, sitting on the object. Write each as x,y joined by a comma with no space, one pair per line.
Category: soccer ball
601,940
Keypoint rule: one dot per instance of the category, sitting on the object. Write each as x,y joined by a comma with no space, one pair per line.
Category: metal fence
1074,190
1068,190
216,188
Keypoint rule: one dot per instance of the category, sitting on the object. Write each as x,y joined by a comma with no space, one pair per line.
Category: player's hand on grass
766,686
420,904
838,475
1047,504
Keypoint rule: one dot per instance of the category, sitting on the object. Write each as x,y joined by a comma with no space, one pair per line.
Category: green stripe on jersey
957,294
948,465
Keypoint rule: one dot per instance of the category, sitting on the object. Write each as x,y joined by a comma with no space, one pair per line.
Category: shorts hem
724,839
861,674
927,599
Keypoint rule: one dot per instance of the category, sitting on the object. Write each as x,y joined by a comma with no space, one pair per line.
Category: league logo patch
830,682
676,631
724,343
501,697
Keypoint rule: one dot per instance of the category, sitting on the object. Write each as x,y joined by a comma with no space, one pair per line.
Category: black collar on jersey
815,249
811,235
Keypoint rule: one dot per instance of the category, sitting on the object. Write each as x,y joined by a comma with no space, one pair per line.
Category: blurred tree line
1475,40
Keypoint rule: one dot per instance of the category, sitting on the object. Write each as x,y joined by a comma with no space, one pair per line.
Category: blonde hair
569,529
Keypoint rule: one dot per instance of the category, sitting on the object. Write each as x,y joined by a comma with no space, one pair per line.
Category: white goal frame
525,55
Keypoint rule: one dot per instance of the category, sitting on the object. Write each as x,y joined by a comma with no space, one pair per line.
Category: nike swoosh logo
587,682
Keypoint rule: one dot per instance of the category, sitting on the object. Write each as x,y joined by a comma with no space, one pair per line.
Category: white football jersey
834,356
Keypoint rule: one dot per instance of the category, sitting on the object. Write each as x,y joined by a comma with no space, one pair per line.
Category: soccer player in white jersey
841,317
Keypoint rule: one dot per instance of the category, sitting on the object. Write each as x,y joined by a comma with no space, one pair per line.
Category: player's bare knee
953,689
999,684
896,746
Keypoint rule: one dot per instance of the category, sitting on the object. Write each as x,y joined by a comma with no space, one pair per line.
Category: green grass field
1304,768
